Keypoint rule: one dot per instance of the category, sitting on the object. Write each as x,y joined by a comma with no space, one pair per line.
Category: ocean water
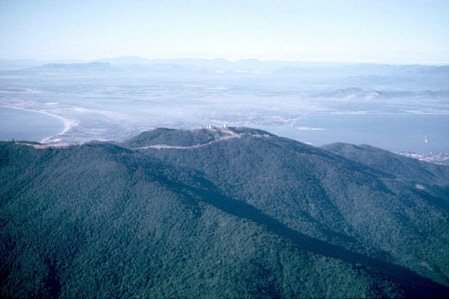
384,106
397,132
19,124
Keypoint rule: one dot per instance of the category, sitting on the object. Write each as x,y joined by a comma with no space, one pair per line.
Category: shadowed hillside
229,212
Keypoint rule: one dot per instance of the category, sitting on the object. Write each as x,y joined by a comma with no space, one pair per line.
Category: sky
380,31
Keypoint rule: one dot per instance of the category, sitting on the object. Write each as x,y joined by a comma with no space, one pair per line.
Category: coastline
68,124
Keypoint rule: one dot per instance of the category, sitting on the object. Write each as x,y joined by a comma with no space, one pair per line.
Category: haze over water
400,108
369,71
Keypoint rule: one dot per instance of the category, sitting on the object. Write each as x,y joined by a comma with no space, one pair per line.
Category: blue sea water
421,133
19,124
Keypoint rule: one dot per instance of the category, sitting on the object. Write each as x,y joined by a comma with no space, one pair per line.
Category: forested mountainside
229,212
400,166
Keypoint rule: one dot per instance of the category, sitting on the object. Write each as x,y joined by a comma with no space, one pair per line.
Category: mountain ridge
241,216
73,67
383,159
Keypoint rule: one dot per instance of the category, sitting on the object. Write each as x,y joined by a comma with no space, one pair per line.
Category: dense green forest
220,213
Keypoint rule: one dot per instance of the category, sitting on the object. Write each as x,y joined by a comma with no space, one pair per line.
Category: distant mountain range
220,213
280,67
73,67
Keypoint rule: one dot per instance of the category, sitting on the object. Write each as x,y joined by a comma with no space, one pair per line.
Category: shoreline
68,124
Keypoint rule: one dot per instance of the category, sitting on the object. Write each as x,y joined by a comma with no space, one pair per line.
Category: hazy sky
392,31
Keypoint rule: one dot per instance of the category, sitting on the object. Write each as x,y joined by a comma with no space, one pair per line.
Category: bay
421,133
20,124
